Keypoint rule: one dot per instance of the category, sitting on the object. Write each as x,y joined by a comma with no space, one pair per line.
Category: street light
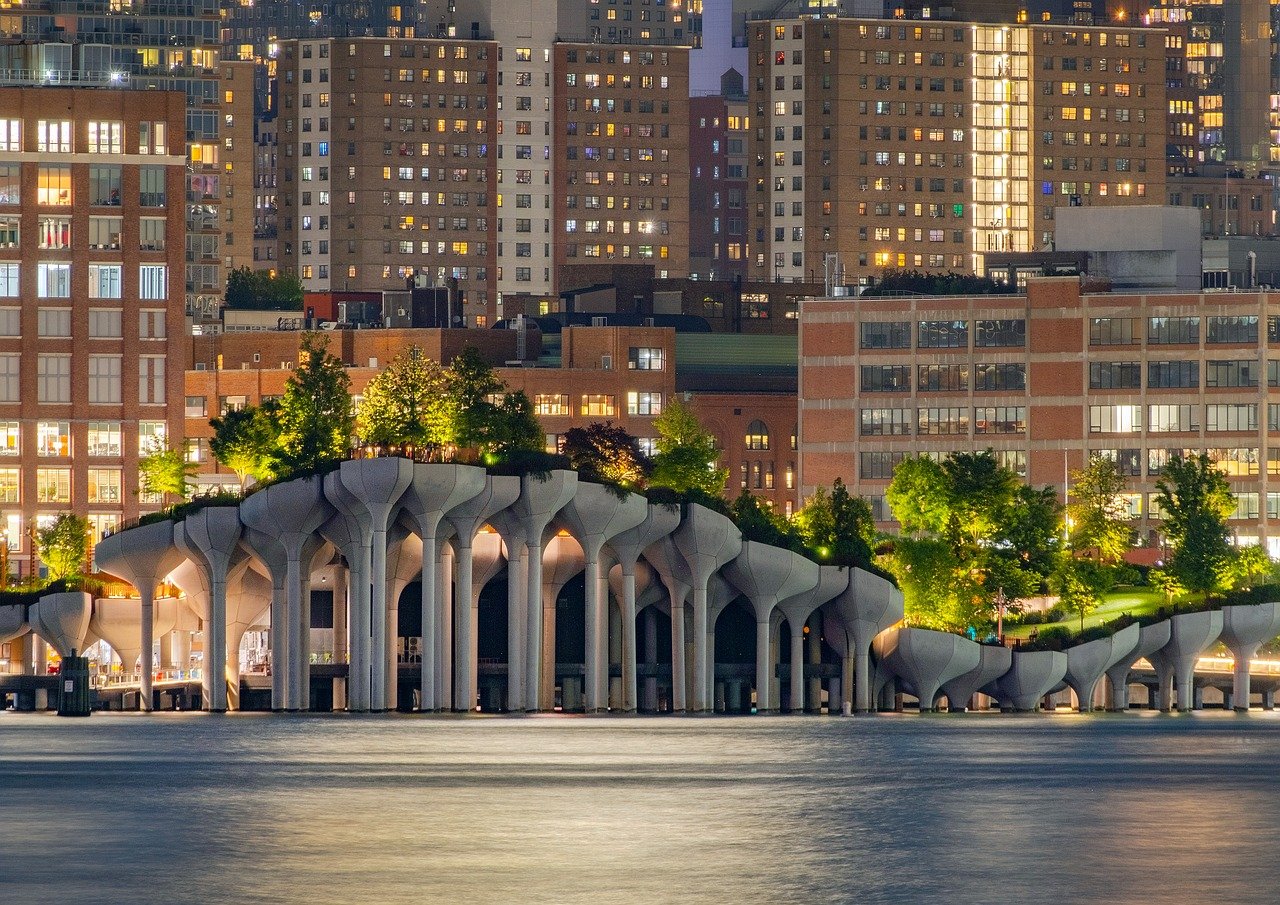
4,558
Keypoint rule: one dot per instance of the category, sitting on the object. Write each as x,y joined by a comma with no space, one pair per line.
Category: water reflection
984,808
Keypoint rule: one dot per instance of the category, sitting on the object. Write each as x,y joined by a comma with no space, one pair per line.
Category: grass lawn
1134,601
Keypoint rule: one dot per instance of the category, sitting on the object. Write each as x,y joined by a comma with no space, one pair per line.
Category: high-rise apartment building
92,230
387,169
409,159
718,126
171,46
900,145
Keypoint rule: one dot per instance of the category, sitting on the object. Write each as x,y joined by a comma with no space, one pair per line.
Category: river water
978,808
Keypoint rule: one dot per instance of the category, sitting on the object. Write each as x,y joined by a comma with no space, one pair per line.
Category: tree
604,451
1097,513
314,417
970,531
837,526
757,521
64,546
686,453
165,470
515,429
1196,500
408,404
243,440
1245,565
262,290
473,388
1080,584
1166,583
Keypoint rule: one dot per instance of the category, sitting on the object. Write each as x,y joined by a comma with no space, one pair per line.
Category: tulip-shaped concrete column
404,566
211,538
1189,635
1151,638
511,532
434,490
249,596
1086,663
994,661
562,558
1244,629
868,606
366,493
283,520
719,595
118,621
1029,678
628,546
926,660
62,620
142,556
765,575
594,516
832,581
541,497
13,623
707,540
486,561
466,518
676,577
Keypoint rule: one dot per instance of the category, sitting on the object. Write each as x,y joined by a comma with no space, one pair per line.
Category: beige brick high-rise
925,145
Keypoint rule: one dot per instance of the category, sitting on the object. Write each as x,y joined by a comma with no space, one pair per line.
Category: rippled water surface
948,809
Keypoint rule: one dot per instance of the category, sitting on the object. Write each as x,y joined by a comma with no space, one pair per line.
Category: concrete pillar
341,647
813,685
796,704
517,588
1244,629
834,695
547,668
40,657
627,626
465,620
764,666
616,702
651,658
678,700
445,648
1197,698
1268,699
181,649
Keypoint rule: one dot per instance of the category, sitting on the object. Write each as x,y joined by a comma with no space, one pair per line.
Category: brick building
892,144
1044,380
93,228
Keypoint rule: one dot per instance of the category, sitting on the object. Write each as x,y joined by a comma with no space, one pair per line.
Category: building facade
924,145
1045,380
92,261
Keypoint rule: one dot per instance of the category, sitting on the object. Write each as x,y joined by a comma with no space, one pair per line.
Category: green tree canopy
757,521
837,526
515,430
475,390
686,453
604,451
243,440
970,529
1196,500
1096,511
165,470
261,290
64,545
408,404
314,417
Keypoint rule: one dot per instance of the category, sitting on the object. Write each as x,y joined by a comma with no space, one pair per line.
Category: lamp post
1002,603
4,558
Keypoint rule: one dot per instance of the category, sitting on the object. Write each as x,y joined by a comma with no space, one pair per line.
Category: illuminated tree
243,440
604,451
476,393
1196,500
64,546
687,453
315,413
837,526
408,404
165,470
1097,513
